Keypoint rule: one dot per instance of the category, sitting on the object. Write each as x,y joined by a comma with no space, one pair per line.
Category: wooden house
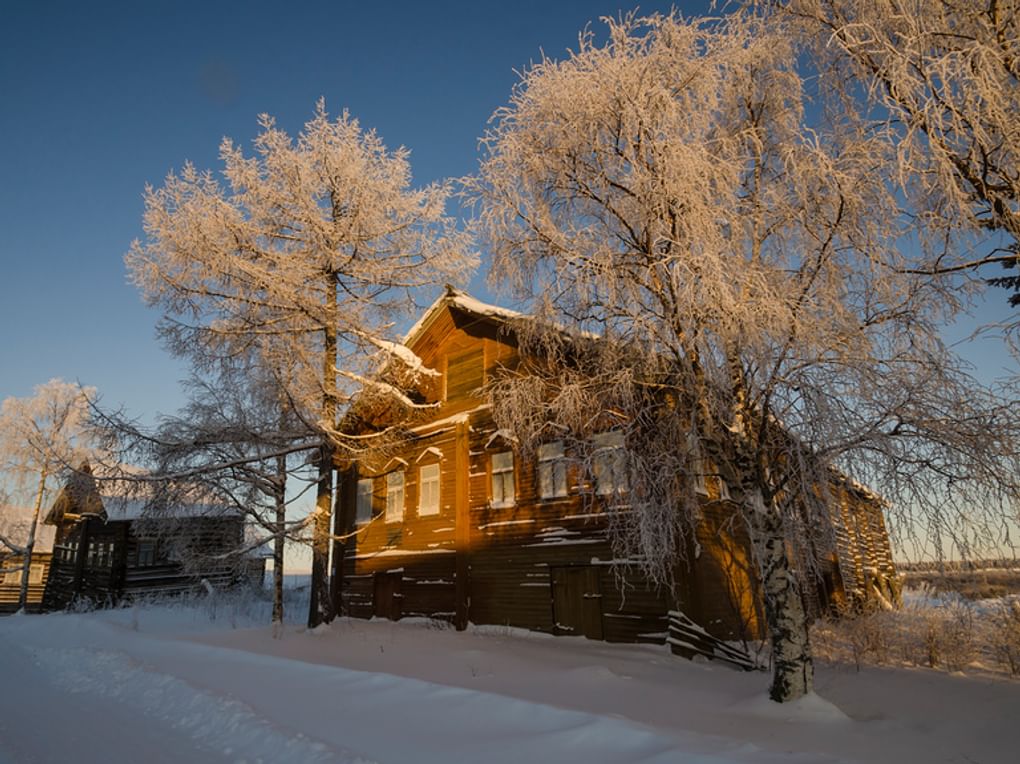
17,520
109,550
11,572
452,523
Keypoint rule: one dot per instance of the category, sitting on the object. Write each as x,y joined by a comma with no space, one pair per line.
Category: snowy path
118,695
168,685
94,704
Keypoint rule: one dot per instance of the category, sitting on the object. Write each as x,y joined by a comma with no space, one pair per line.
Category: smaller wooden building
11,572
17,520
105,552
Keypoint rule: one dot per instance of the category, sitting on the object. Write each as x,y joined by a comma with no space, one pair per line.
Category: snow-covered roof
462,300
15,522
123,508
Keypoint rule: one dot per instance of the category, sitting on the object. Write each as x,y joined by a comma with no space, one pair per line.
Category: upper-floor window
395,496
12,576
363,504
552,470
503,479
609,463
428,490
36,574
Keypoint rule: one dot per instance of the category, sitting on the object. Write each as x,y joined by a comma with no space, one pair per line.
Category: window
700,484
146,553
12,577
609,463
724,490
552,470
35,574
394,497
428,490
363,505
503,479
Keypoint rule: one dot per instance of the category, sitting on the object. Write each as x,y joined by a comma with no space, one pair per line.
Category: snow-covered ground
173,684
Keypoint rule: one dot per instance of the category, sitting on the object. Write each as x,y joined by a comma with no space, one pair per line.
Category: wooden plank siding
10,583
541,564
98,563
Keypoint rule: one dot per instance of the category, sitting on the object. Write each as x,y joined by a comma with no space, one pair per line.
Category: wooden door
577,601
386,597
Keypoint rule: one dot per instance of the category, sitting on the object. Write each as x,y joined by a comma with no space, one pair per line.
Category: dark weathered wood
577,601
106,570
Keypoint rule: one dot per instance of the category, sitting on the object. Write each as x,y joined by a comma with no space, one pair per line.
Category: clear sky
98,99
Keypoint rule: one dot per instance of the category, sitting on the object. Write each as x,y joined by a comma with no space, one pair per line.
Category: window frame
502,471
150,558
552,471
435,508
609,459
359,494
395,511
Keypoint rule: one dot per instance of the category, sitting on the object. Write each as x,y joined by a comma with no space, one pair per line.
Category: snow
130,508
466,303
210,684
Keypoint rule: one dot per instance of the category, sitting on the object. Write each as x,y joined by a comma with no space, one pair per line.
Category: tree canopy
304,257
738,250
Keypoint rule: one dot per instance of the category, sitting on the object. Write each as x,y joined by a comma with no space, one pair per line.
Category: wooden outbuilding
110,550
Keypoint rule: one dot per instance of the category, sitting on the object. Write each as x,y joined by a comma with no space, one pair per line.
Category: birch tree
305,255
42,439
737,255
235,444
944,77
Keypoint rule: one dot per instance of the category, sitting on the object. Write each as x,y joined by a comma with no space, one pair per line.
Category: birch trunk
26,571
793,669
278,540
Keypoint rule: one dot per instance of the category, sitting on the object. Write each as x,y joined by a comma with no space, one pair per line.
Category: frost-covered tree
944,77
42,438
304,255
237,443
737,254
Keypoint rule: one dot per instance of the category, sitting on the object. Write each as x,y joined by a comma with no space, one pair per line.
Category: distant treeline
955,566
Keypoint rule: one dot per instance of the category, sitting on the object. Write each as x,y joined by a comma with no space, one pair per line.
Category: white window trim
432,509
610,461
552,471
395,488
503,502
359,494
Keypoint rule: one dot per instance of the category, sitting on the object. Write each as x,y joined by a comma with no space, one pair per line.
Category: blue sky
101,98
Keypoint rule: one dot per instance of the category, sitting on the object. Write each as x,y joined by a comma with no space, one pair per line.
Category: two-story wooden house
452,523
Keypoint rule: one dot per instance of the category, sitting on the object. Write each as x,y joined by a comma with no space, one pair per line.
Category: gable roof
79,496
462,301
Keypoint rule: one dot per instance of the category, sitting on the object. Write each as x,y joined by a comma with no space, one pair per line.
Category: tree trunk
26,571
319,605
793,669
279,539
